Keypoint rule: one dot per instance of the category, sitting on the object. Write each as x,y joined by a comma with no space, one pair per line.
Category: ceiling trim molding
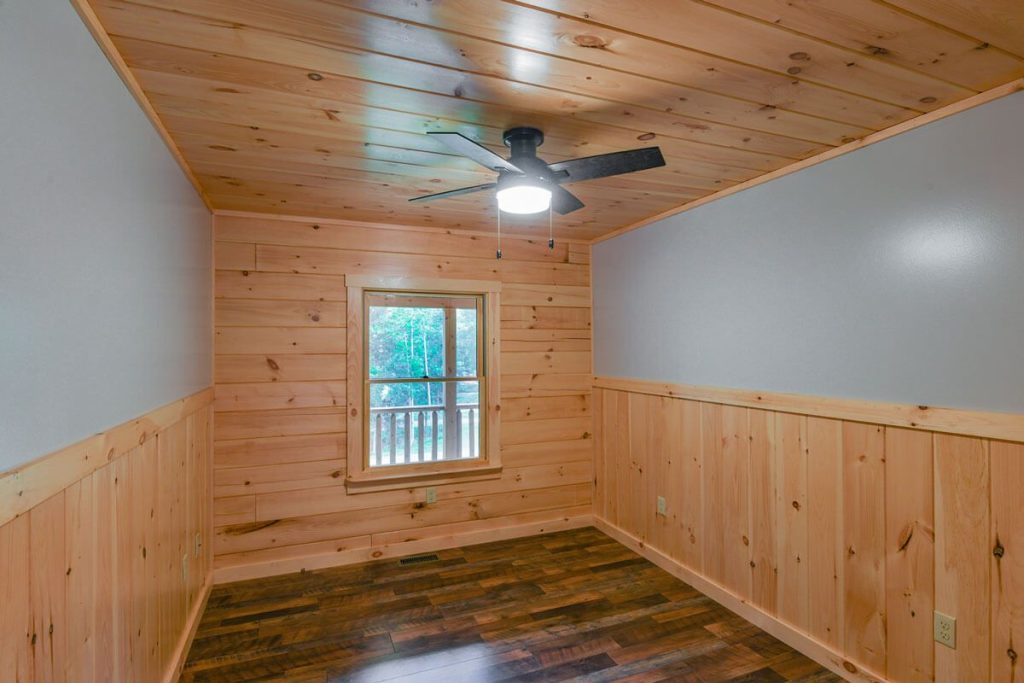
102,38
906,126
541,238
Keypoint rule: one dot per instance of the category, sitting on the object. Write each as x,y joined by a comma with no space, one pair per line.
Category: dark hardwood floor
573,605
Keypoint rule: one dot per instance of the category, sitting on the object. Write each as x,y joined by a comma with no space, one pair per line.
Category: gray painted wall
894,273
104,245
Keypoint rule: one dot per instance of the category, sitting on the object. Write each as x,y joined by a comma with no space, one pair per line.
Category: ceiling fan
526,184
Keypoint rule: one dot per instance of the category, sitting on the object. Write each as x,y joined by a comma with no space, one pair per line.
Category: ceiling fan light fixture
526,183
524,199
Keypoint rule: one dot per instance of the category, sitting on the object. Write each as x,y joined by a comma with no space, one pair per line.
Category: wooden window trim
360,478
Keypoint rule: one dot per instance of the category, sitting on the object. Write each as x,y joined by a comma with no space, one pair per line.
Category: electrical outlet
184,568
431,495
662,508
198,544
945,630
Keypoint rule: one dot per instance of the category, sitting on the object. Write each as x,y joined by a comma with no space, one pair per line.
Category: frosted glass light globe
524,199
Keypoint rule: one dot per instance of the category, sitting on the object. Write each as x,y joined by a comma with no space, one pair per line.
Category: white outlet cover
945,630
662,507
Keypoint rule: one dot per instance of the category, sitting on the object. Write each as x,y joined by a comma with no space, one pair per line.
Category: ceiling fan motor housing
523,144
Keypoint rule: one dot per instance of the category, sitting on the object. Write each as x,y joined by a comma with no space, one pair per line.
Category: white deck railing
410,434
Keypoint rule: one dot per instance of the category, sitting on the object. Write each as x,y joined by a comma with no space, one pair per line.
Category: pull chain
499,234
551,230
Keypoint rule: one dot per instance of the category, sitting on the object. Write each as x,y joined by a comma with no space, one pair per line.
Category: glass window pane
407,423
468,420
465,342
406,342
410,423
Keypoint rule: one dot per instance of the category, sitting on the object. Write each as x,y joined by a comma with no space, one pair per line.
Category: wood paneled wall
94,584
280,498
840,536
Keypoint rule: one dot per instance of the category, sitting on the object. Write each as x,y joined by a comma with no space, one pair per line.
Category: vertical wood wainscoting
94,584
280,497
838,526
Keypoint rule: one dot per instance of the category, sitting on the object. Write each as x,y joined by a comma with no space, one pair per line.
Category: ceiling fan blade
458,142
453,193
604,165
563,201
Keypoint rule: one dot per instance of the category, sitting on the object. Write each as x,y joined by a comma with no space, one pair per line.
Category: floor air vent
418,559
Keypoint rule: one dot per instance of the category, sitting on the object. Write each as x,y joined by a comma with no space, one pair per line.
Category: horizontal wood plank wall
280,500
841,537
92,583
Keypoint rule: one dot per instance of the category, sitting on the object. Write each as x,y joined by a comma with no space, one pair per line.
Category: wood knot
796,505
315,76
645,136
908,533
1012,654
800,57
849,666
928,100
998,550
588,40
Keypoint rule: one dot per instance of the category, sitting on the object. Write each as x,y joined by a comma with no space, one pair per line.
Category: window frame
360,477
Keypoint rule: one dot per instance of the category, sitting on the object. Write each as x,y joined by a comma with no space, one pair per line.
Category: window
423,363
423,381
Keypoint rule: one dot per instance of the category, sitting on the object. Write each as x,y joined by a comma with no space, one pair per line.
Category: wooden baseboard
185,642
370,552
790,635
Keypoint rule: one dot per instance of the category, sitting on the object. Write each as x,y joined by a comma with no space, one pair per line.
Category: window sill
371,482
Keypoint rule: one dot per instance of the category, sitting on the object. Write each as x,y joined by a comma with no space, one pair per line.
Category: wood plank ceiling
318,107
